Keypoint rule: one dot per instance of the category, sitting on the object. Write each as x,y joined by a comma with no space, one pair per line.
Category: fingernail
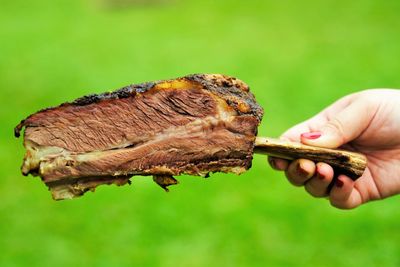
311,135
339,183
318,173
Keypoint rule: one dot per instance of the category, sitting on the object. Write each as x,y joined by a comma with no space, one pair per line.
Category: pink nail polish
312,135
339,183
318,173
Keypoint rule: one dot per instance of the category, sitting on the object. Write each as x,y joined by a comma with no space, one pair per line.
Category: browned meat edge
228,88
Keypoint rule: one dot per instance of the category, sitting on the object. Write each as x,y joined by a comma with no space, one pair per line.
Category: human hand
367,122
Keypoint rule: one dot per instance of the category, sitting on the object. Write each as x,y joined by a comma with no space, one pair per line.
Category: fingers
343,194
315,123
335,126
342,127
278,164
318,185
293,134
299,171
317,178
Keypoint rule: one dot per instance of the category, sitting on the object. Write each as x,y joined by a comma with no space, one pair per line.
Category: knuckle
337,126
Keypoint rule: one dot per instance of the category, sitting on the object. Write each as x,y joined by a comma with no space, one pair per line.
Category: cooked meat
198,124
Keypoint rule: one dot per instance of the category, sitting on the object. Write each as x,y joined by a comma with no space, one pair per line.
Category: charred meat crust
235,92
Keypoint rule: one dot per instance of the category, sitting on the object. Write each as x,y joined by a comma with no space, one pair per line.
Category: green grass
297,56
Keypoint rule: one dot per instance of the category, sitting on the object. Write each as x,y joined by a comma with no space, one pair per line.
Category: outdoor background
297,56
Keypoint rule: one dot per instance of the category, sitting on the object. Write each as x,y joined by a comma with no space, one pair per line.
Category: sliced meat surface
197,124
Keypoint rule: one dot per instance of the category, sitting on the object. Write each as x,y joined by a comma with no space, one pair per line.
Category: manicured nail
318,173
312,135
339,183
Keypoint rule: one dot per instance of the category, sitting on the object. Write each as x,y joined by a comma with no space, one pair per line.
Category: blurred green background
297,56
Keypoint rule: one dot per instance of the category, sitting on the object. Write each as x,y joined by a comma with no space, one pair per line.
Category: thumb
341,128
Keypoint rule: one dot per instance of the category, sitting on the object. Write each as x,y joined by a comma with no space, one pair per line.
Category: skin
367,122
